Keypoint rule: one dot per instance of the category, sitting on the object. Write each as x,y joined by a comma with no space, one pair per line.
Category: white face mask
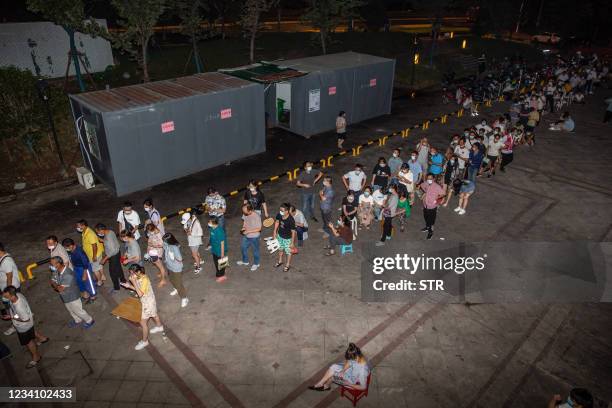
395,154
252,189
357,171
79,229
367,194
210,225
350,199
413,157
308,169
147,209
429,181
51,247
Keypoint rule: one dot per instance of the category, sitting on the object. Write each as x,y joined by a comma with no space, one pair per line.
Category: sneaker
424,229
140,345
88,325
379,243
240,263
174,292
184,302
197,271
221,279
72,324
429,234
254,268
156,329
201,262
461,211
10,331
457,209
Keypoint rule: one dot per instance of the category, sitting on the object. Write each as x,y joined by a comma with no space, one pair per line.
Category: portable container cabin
305,95
138,136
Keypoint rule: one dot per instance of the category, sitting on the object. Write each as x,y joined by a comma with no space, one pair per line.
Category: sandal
33,363
276,265
286,268
38,343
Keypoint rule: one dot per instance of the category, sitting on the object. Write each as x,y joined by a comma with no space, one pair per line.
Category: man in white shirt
355,181
484,125
463,153
9,276
128,219
194,232
493,150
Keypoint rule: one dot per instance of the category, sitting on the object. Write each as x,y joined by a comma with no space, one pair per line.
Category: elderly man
64,282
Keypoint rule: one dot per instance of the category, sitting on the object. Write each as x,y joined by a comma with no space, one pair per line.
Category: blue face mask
53,268
570,402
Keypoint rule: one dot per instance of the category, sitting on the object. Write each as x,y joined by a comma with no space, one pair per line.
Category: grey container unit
359,84
138,136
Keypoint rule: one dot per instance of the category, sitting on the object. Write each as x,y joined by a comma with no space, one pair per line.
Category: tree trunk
145,68
323,45
7,149
223,28
278,18
196,54
252,47
539,19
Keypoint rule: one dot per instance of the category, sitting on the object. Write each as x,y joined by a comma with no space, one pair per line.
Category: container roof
134,96
263,72
331,61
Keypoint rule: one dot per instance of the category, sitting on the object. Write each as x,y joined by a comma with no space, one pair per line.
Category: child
403,210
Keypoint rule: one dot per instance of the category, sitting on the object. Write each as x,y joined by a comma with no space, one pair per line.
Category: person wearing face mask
55,249
475,162
129,220
341,128
112,256
381,174
422,149
577,398
256,199
251,230
132,254
63,282
194,232
379,201
463,155
349,206
366,208
82,270
218,243
493,152
216,206
9,276
306,182
395,162
450,171
355,181
154,217
326,197
388,212
454,142
406,181
431,199
416,169
285,233
484,125
94,249
436,161
301,225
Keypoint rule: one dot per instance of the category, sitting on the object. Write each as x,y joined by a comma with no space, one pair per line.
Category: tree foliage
326,15
250,20
191,14
138,18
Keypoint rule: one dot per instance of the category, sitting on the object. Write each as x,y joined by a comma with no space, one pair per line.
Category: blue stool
345,249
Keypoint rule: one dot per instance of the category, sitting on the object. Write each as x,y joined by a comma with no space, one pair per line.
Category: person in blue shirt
566,123
218,244
82,270
416,169
436,161
475,161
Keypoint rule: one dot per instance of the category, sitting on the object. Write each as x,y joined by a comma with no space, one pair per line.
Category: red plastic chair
354,395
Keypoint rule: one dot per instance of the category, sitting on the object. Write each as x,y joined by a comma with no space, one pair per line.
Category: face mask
101,235
282,213
350,199
253,189
51,247
452,161
79,229
382,163
127,212
429,181
308,169
395,154
366,194
210,225
413,157
147,209
53,268
455,141
357,171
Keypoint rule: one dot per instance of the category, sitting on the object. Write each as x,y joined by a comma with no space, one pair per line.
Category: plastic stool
345,249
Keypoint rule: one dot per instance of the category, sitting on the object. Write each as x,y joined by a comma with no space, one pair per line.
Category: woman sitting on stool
343,235
352,374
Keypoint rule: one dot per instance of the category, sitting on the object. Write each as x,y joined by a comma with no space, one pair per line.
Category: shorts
96,265
492,159
467,188
26,337
284,244
194,242
341,136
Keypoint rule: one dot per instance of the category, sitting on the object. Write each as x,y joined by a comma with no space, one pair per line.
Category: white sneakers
240,263
174,292
254,268
10,331
184,302
140,345
459,210
156,329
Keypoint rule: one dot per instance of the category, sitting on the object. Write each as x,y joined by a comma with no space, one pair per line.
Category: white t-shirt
379,197
463,152
21,308
486,127
355,180
133,218
406,174
300,219
366,200
7,265
194,232
340,124
494,147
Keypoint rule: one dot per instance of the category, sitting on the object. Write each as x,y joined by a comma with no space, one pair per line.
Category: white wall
47,44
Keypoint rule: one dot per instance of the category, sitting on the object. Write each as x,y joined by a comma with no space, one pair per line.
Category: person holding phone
63,282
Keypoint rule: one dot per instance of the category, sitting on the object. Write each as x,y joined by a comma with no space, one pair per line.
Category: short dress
356,373
156,242
149,306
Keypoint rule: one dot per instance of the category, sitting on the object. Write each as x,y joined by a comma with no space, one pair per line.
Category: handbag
223,262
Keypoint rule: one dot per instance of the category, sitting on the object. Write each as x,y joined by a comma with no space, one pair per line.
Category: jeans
244,247
472,173
221,221
308,205
335,241
430,217
326,218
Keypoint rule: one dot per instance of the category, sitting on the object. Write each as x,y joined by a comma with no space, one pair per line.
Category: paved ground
261,338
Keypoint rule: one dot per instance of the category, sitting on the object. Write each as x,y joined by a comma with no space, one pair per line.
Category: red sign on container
167,127
226,113
373,82
332,90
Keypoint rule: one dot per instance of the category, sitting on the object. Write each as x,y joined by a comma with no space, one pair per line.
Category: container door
283,104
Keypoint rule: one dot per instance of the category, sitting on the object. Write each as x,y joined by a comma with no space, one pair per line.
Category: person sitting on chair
352,374
343,235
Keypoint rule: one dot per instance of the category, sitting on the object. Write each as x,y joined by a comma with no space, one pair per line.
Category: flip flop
38,343
286,268
276,265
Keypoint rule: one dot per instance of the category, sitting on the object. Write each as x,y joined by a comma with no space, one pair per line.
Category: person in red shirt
434,194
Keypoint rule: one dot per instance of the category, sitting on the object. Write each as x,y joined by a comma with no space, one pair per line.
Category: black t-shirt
349,206
285,226
381,175
256,200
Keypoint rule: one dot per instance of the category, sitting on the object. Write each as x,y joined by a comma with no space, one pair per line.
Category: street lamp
415,58
43,93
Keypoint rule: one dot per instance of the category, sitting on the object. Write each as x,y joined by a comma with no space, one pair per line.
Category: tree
190,13
23,116
251,20
138,18
326,15
70,15
223,10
